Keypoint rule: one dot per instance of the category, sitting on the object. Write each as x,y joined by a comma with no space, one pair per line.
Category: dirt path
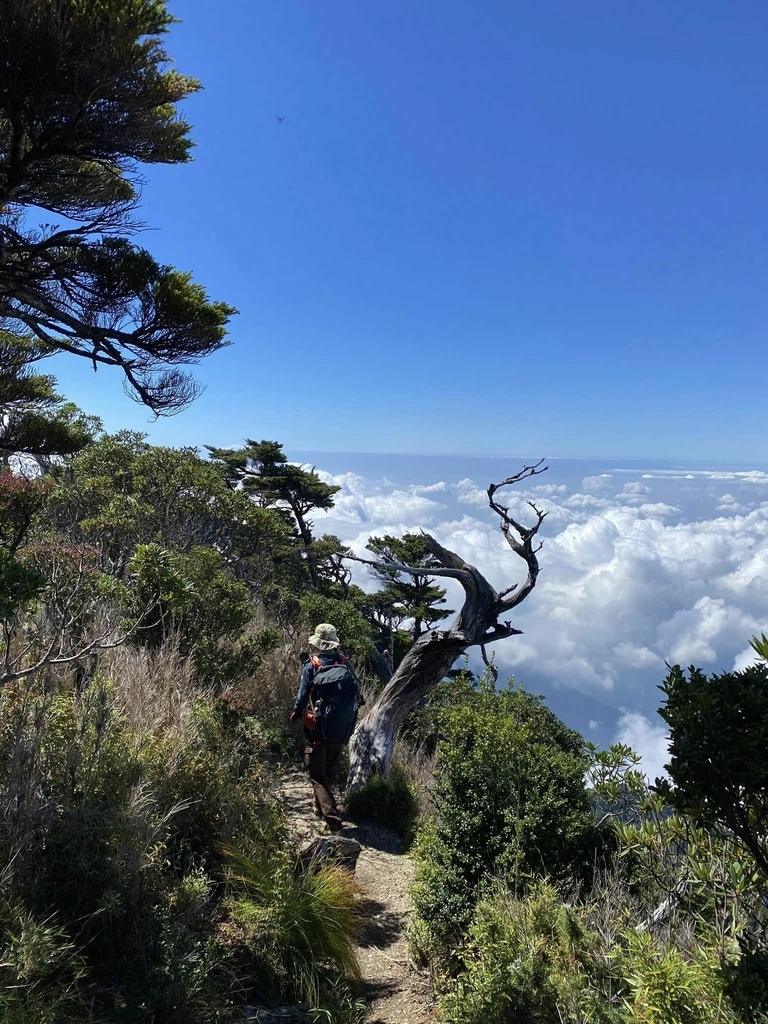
395,991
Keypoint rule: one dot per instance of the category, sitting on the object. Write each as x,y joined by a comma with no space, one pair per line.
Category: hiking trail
395,991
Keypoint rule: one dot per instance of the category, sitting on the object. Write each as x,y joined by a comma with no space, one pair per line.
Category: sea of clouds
641,565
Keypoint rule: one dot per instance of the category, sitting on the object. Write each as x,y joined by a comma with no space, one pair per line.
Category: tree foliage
263,471
190,554
718,737
34,420
415,597
22,500
123,491
87,96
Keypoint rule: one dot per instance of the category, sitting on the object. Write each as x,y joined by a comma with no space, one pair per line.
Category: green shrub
217,770
114,833
18,584
509,800
93,833
179,983
746,985
531,960
387,800
536,960
668,985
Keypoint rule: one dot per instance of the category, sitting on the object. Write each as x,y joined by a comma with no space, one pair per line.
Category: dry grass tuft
154,690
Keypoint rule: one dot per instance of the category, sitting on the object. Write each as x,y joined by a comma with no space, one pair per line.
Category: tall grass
117,791
154,690
301,925
120,788
272,687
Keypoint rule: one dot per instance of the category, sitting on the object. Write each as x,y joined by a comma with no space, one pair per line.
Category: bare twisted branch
478,621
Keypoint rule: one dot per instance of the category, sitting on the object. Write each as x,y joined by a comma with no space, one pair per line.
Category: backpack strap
318,665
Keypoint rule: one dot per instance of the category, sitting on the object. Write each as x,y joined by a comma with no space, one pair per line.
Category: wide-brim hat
325,637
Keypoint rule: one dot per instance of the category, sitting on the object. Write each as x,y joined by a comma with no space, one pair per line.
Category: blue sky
481,228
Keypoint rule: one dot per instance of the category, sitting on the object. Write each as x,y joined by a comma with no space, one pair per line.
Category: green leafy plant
718,737
40,968
668,985
746,984
509,799
530,959
388,800
18,584
539,960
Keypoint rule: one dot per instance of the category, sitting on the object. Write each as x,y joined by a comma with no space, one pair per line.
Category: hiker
328,699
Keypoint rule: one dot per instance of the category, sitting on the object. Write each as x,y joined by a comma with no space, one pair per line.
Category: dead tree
479,622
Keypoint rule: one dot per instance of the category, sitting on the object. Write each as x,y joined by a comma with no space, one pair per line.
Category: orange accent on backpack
310,718
317,663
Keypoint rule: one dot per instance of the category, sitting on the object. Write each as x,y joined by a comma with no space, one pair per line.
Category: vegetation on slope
153,604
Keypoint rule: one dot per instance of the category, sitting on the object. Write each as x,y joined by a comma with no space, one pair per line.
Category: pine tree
414,597
266,475
87,97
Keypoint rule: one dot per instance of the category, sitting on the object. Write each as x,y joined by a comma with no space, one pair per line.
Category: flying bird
279,119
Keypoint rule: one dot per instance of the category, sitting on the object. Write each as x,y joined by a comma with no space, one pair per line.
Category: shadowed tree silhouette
87,97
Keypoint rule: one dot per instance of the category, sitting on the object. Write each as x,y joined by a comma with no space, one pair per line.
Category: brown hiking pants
320,759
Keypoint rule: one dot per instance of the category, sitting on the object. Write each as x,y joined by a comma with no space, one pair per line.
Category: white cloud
439,488
663,474
626,584
468,493
634,489
597,484
638,657
729,504
587,501
549,489
744,659
649,740
378,504
693,635
752,476
659,509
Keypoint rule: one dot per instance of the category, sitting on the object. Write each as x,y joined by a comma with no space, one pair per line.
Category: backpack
333,701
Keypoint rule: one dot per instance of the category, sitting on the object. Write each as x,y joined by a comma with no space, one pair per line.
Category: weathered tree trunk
306,538
427,662
434,653
381,665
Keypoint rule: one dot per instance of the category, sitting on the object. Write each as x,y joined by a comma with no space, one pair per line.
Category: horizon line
679,460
